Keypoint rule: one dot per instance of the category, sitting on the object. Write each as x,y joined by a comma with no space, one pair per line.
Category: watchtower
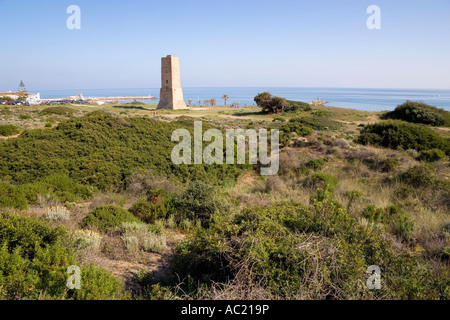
171,94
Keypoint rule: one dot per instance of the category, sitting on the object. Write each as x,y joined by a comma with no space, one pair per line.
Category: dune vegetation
97,188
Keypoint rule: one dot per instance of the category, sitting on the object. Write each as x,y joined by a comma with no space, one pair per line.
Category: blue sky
249,43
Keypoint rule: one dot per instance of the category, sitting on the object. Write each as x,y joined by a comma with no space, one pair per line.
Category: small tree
213,102
206,102
225,98
189,101
271,104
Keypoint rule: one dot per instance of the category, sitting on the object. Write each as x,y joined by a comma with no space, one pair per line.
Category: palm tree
213,102
206,102
199,102
189,102
225,97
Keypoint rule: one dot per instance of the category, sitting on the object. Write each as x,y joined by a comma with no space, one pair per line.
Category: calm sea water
360,99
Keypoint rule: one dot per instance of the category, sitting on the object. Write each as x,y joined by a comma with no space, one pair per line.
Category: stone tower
171,94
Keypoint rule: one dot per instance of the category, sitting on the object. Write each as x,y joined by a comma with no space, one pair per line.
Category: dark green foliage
55,187
293,127
150,212
24,116
58,111
97,284
11,197
398,134
317,122
295,106
104,218
200,202
373,213
102,150
321,180
419,176
279,119
48,124
316,164
285,138
34,257
271,104
419,112
398,221
278,247
8,130
431,155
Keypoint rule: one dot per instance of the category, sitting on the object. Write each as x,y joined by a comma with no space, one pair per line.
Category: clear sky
323,43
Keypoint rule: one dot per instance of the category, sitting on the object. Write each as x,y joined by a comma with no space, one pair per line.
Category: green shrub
24,116
418,176
419,112
431,155
398,134
108,217
48,124
12,197
33,258
296,106
199,202
321,180
403,226
271,104
97,284
8,130
57,111
373,214
102,150
316,164
150,212
293,127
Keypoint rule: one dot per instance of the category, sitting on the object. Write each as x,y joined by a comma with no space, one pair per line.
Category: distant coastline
353,98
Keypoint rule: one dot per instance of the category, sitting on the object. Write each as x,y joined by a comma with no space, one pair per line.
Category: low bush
321,180
418,176
97,284
108,217
8,130
199,202
34,257
299,129
431,155
419,112
398,134
293,251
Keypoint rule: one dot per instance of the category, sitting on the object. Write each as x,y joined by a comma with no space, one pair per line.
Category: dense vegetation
101,150
273,104
102,188
399,134
8,130
34,257
419,112
314,252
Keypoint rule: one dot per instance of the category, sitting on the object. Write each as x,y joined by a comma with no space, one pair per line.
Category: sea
353,98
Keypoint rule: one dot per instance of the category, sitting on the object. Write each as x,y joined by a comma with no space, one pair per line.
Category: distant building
31,98
171,94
